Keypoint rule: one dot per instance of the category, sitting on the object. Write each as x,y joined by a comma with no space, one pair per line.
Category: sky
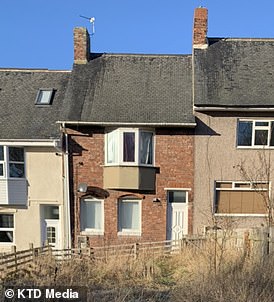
39,33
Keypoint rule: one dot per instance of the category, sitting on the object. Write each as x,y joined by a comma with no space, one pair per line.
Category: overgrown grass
211,273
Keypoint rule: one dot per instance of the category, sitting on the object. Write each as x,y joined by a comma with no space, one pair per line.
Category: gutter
233,109
80,123
31,142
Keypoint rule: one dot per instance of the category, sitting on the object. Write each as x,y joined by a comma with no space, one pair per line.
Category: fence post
13,249
136,250
32,251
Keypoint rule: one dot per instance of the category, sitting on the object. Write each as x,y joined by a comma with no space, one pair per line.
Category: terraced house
233,103
130,127
32,196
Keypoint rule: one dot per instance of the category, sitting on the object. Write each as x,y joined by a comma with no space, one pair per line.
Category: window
6,228
129,147
241,197
255,133
16,162
92,216
12,162
44,97
129,216
177,196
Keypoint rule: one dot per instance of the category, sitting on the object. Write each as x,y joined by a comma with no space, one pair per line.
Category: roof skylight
44,97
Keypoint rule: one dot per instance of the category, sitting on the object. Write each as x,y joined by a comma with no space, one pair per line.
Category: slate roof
235,72
113,88
20,118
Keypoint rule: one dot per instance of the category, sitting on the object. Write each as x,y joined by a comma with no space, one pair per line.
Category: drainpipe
67,223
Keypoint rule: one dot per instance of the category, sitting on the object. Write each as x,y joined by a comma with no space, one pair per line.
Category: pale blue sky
39,33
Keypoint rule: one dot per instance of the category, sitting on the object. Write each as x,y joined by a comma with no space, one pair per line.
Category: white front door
52,233
177,214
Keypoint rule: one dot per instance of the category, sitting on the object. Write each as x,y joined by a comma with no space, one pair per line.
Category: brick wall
173,156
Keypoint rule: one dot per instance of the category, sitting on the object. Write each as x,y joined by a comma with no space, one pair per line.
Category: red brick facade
174,159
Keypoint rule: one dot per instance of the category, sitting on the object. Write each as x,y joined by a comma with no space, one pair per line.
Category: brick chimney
81,45
200,28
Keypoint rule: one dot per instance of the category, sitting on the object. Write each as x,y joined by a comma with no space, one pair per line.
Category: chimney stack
81,45
200,28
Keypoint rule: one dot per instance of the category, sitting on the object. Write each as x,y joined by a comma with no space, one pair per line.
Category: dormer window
44,97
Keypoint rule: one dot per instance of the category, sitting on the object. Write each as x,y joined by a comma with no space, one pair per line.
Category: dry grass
212,273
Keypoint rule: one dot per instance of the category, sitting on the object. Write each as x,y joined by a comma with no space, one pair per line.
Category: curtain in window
112,147
129,215
146,148
129,147
91,214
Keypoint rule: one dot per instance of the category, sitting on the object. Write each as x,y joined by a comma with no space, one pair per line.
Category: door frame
184,207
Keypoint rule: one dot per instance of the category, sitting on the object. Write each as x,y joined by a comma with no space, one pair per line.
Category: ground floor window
129,216
241,197
6,228
92,215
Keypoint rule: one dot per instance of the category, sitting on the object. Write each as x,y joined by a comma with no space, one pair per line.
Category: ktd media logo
45,293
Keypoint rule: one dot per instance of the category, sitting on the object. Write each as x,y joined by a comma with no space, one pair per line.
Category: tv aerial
91,21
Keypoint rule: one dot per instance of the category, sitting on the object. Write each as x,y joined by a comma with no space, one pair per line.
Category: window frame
118,134
6,163
5,229
124,231
39,96
93,231
253,135
235,188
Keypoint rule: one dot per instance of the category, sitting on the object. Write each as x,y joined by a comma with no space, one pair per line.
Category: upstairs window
44,97
256,133
130,147
12,162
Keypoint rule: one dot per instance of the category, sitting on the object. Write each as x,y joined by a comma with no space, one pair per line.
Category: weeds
187,277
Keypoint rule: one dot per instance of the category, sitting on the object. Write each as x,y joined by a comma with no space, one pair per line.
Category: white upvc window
12,162
92,216
255,134
6,228
129,146
129,216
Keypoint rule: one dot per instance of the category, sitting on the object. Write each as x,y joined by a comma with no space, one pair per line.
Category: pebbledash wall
174,149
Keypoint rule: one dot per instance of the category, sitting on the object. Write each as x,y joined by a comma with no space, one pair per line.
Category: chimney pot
81,45
200,27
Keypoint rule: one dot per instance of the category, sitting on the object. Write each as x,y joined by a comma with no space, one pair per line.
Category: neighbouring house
130,128
33,195
234,138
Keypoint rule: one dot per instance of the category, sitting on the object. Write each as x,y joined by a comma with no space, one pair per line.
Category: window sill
129,165
255,147
239,215
92,233
128,233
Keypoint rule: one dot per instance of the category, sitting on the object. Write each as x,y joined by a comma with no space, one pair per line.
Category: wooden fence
19,260
133,250
16,260
253,242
